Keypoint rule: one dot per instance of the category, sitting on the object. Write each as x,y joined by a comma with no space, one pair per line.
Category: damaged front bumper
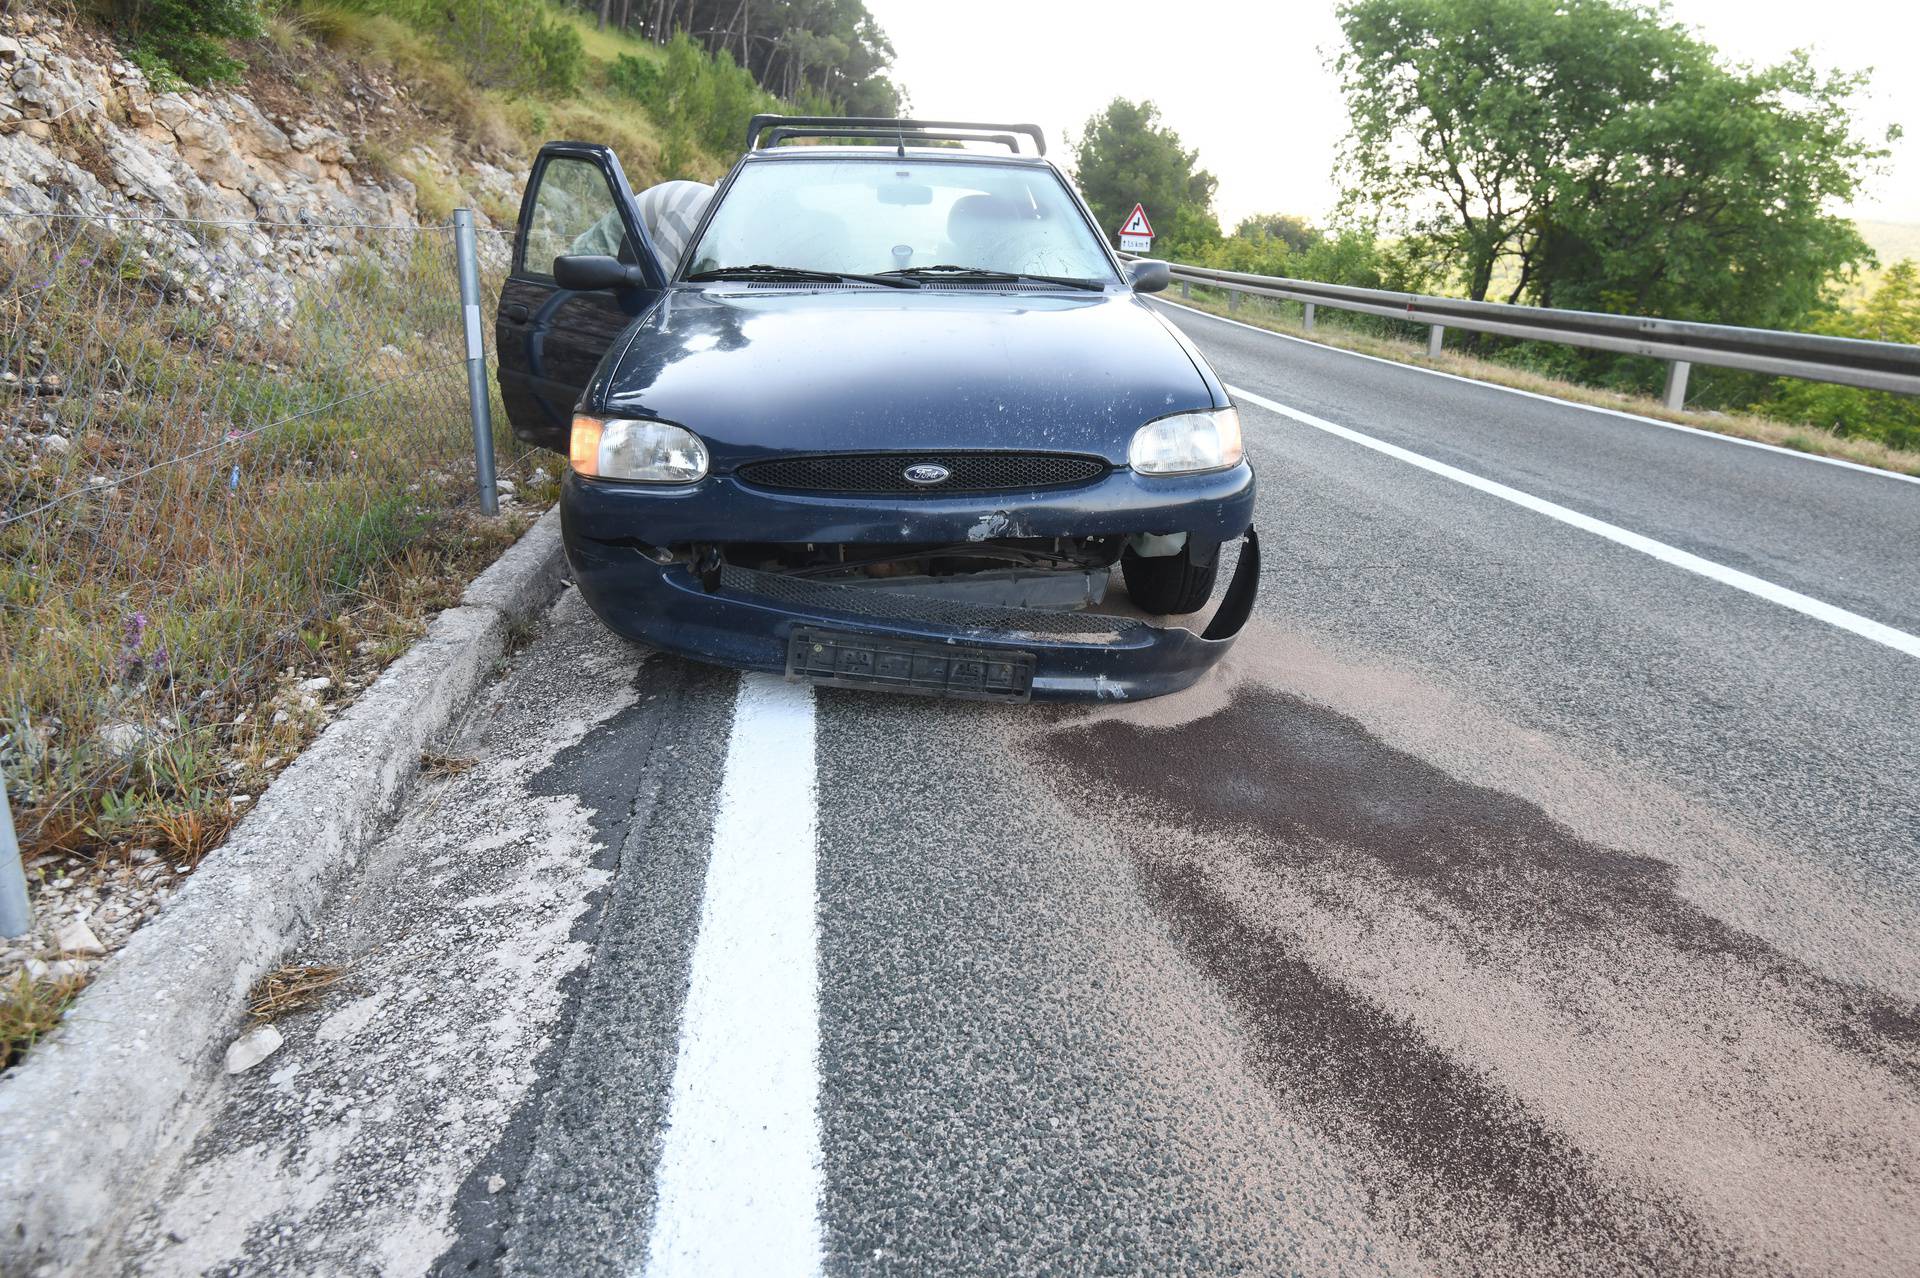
860,636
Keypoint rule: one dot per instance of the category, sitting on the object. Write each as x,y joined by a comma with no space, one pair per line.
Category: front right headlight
1187,443
637,449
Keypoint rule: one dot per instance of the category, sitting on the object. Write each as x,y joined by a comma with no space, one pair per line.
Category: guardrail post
1233,300
1435,336
1306,316
16,916
479,401
1676,392
1186,289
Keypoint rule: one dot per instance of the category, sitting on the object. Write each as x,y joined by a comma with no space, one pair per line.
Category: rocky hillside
208,541
83,130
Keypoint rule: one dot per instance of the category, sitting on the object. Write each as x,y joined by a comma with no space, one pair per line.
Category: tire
1170,585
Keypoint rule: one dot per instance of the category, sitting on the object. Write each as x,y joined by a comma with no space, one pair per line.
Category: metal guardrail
1886,366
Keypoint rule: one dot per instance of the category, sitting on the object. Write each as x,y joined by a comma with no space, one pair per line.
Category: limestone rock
252,1047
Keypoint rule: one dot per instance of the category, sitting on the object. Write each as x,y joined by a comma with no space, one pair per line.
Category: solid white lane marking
1806,605
739,1177
1553,399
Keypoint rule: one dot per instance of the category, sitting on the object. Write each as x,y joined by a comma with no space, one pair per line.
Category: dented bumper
748,624
750,620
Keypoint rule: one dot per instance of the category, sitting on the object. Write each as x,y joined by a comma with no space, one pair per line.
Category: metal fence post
1676,392
480,403
1306,316
16,916
1186,289
1233,300
1435,336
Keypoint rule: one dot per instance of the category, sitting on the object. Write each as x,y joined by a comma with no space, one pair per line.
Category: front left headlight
647,452
1187,443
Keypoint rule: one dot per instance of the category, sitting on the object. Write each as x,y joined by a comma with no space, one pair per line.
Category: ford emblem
926,473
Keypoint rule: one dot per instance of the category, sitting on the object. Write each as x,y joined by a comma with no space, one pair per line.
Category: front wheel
1170,585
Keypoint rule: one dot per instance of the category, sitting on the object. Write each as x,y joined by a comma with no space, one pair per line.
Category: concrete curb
102,1110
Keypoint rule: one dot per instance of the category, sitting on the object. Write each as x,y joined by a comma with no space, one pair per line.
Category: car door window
573,212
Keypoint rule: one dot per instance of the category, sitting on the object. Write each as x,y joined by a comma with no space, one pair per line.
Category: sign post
1136,233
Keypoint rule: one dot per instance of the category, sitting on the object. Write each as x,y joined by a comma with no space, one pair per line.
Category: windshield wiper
762,271
946,271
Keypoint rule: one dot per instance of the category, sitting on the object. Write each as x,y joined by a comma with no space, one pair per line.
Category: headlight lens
1187,442
645,451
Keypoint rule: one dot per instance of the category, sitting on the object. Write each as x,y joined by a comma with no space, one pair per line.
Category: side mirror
589,273
1148,276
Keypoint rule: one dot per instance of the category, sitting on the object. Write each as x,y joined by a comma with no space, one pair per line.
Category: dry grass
446,105
606,45
30,1009
433,764
291,988
180,604
454,115
1800,437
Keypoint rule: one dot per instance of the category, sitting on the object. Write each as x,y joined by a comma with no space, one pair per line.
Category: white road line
739,1177
1865,627
1642,418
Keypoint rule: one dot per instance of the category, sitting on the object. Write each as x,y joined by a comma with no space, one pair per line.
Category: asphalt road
1513,900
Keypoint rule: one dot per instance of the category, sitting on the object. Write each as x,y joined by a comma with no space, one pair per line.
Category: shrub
187,39
701,100
500,44
633,77
1892,314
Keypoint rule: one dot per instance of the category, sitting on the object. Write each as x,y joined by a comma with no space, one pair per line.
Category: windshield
871,216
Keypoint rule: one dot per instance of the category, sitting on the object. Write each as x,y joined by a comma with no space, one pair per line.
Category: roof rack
775,137
880,126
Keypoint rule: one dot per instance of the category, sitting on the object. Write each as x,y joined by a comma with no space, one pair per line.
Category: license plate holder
845,659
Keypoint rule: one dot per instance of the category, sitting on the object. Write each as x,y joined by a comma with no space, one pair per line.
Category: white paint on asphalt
1642,418
739,1173
1806,605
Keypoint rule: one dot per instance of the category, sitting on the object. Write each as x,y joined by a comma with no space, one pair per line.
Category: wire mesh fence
232,454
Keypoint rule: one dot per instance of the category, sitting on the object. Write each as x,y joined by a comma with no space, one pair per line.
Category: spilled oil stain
1301,777
1466,1163
1460,1158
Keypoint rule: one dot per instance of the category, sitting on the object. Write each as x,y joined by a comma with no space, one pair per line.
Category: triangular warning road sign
1136,223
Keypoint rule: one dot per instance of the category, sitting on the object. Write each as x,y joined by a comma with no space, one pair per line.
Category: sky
1246,83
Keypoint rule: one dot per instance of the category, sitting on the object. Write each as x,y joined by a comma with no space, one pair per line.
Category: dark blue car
889,419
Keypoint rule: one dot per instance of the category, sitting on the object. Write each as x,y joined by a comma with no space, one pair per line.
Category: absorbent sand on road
1551,1052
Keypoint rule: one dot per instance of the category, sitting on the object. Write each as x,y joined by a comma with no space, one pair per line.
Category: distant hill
1892,240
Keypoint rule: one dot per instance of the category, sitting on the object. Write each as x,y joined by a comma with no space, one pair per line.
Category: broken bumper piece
869,638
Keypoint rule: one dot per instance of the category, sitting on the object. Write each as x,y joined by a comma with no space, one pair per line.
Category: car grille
886,472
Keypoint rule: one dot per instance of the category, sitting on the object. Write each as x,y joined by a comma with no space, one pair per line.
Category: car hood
764,371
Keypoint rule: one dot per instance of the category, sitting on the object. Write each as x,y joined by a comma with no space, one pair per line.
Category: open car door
549,339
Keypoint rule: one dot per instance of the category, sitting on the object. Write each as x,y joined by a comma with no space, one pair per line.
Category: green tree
1596,154
1126,156
1465,112
1713,201
1289,228
830,54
